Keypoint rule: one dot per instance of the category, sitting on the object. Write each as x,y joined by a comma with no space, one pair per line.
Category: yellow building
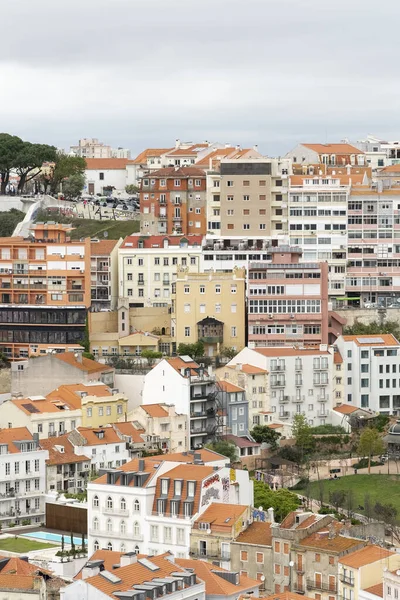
100,404
209,307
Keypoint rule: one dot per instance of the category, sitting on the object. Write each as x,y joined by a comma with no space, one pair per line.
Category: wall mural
209,494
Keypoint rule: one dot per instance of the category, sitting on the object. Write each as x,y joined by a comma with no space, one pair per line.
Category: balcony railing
348,580
320,585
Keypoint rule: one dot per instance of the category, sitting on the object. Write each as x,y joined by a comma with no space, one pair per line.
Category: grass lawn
94,228
23,545
381,488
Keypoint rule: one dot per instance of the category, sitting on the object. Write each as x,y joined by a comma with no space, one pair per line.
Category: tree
282,501
370,444
131,188
228,352
264,434
301,432
368,507
374,327
9,220
63,167
150,356
10,146
225,448
194,350
29,161
73,185
337,498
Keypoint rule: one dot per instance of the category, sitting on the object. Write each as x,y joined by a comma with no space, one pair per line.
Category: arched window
109,546
95,501
136,506
95,524
136,549
96,545
123,548
122,528
162,330
109,525
122,504
136,529
109,502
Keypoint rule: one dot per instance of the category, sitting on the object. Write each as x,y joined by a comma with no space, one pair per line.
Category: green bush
327,429
25,522
363,464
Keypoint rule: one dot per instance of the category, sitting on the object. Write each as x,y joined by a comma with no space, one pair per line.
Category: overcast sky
141,73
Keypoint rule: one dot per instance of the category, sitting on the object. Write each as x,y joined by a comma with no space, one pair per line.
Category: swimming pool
53,537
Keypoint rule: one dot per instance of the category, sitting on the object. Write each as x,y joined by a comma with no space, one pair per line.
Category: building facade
104,274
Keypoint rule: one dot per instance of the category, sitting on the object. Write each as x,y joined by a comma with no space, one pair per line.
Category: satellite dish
208,531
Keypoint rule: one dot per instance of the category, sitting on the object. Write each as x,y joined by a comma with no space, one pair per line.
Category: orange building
44,291
173,200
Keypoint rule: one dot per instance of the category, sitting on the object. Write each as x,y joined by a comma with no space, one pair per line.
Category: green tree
370,444
194,350
264,434
64,166
72,186
225,448
10,146
374,327
282,501
29,161
131,188
228,352
301,432
9,220
150,356
337,498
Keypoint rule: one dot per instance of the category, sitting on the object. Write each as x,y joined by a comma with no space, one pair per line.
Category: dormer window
164,487
177,487
191,488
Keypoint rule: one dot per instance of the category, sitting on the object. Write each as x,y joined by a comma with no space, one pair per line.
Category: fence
66,517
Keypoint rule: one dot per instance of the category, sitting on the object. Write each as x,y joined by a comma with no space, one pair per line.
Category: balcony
284,399
211,339
322,414
280,368
299,399
177,218
279,383
298,588
284,415
319,585
116,511
197,414
323,398
321,383
140,282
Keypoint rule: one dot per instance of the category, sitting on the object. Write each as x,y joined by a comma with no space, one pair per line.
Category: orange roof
17,566
229,387
257,533
22,582
249,369
110,558
95,164
70,393
61,457
333,148
110,436
155,410
345,409
376,590
30,407
215,584
204,454
188,473
127,428
9,436
384,339
177,363
337,358
221,517
157,241
320,539
102,247
149,153
289,522
281,351
132,465
365,556
390,169
87,364
275,425
288,596
217,154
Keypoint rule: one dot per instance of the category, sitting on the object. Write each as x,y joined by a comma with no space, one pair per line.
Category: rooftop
240,442
16,434
82,363
61,451
127,428
181,172
299,520
96,436
333,148
215,584
95,164
337,543
157,241
40,405
227,386
249,369
288,596
155,410
381,339
257,533
281,351
102,247
376,590
221,517
109,558
149,153
345,409
365,556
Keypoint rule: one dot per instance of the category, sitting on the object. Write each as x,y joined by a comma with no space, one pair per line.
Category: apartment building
300,380
210,307
92,148
364,568
214,530
104,274
164,427
173,200
235,408
300,315
371,373
251,554
333,155
135,577
145,163
44,291
193,391
373,272
65,470
225,254
150,507
253,197
107,446
23,477
147,267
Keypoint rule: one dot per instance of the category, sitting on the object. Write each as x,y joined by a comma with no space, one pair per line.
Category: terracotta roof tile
149,153
157,241
106,163
127,428
22,582
384,339
216,585
345,409
222,517
110,436
229,387
88,365
9,436
365,556
376,590
205,455
17,566
333,148
110,558
66,455
257,533
216,155
320,539
177,363
337,358
102,247
390,169
288,596
29,406
155,410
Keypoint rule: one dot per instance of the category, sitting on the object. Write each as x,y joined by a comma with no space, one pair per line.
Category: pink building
288,302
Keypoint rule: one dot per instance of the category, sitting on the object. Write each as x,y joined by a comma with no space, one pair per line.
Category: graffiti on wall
210,494
211,480
225,489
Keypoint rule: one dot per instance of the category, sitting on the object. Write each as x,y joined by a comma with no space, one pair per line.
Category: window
154,533
96,545
331,560
101,411
136,529
260,557
317,558
217,289
95,501
109,502
136,506
88,412
285,548
122,528
229,183
119,409
277,547
95,524
277,569
233,331
243,555
186,289
122,504
187,331
101,176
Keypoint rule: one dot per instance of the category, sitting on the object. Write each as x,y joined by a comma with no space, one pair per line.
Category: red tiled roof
110,558
257,533
9,436
365,556
102,247
377,339
229,387
376,590
345,409
221,517
61,457
95,164
154,410
216,585
87,364
240,442
127,428
333,148
148,153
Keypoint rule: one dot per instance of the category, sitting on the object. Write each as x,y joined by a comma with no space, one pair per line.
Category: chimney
90,571
78,356
128,559
177,143
331,530
271,517
238,367
255,147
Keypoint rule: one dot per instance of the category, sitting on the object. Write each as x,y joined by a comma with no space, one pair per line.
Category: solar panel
370,340
110,577
30,408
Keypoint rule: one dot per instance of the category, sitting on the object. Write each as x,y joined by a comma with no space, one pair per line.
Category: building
235,407
99,404
148,268
210,307
192,390
45,291
92,148
364,568
246,449
163,426
300,380
105,176
214,530
22,477
136,577
377,152
300,315
135,437
173,200
333,155
391,584
251,554
22,580
145,163
42,375
65,470
221,584
149,507
104,274
371,372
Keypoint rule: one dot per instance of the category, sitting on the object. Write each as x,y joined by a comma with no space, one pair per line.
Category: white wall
132,387
163,384
114,177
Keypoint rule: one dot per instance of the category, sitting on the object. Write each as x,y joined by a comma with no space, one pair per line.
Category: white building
22,477
191,389
300,381
371,372
107,446
163,426
149,507
106,175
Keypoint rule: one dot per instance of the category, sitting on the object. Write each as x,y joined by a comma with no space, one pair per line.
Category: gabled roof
249,369
345,409
365,556
95,164
109,558
102,247
227,386
91,435
290,522
85,364
70,393
257,533
221,517
41,406
178,363
337,358
16,434
127,428
333,148
337,543
17,566
205,455
61,451
149,153
390,169
240,442
192,150
375,339
155,410
215,584
22,582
